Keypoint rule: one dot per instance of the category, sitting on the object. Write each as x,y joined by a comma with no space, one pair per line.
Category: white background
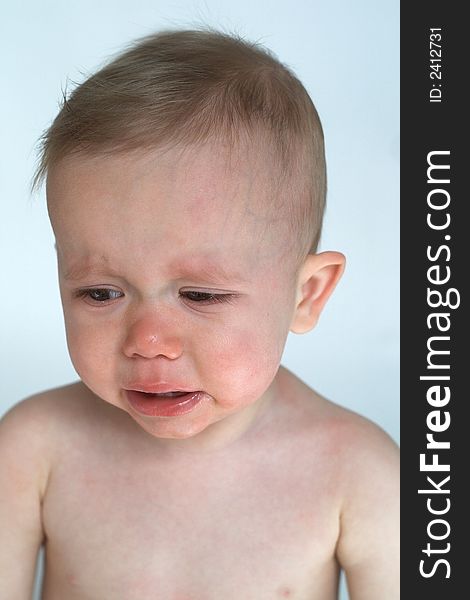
346,54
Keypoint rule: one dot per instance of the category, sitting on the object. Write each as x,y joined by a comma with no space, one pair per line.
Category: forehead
199,204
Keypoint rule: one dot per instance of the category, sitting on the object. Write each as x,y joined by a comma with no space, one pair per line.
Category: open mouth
176,394
164,404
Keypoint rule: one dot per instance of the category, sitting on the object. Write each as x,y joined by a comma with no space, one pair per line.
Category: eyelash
86,293
208,297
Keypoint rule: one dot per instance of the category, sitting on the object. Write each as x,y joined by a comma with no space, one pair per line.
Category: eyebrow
207,270
204,270
81,269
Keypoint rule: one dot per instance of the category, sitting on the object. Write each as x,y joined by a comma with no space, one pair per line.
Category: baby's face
174,282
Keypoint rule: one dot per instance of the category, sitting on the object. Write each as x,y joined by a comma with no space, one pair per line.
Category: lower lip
163,406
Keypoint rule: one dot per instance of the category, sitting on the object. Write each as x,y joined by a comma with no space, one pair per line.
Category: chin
169,428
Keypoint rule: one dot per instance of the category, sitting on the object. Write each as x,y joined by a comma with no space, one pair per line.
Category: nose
150,336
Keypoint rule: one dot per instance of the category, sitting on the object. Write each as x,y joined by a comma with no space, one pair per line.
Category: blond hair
189,86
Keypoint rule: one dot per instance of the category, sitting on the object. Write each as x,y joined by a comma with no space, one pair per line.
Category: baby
185,187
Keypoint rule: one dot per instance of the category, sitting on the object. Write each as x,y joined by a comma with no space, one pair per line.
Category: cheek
89,347
246,360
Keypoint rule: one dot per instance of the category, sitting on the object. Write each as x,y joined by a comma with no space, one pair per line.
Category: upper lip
157,388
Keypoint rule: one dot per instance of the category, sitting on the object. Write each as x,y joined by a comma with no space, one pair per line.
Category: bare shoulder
30,429
363,462
28,444
357,441
28,424
365,465
39,413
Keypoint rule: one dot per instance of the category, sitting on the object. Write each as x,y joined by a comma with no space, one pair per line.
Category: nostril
151,346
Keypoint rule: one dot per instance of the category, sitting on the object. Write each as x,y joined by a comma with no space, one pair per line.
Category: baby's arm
23,476
368,548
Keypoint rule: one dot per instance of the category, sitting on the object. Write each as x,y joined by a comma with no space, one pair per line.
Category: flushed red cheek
245,364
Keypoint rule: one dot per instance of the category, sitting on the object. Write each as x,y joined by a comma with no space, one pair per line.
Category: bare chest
256,529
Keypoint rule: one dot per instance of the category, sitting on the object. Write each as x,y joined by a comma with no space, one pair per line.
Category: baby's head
185,88
186,188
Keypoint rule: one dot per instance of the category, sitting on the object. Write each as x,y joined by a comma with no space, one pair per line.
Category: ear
316,281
